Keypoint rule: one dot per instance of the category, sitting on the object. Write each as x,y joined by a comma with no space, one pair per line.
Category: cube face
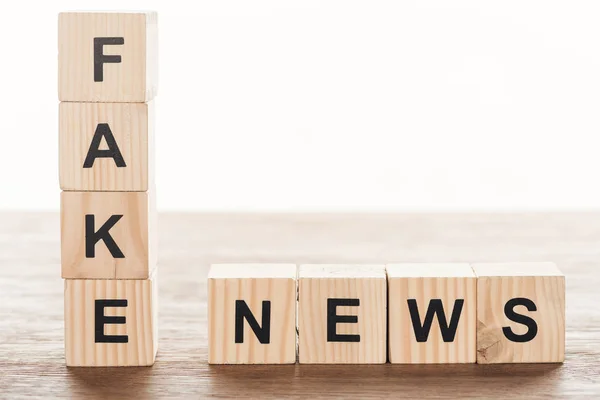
252,314
107,57
105,146
108,235
520,313
342,314
417,295
110,322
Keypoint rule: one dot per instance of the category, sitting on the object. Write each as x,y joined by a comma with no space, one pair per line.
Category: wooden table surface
31,304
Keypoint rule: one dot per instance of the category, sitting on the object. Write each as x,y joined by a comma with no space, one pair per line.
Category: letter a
103,131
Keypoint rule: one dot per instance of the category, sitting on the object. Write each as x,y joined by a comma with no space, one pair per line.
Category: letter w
435,307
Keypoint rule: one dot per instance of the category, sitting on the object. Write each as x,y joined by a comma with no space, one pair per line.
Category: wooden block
106,146
432,313
252,314
107,57
520,313
108,235
110,322
342,314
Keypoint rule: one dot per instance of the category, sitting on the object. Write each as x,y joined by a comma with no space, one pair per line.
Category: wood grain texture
422,283
134,234
129,125
32,321
140,327
254,284
133,80
316,284
541,283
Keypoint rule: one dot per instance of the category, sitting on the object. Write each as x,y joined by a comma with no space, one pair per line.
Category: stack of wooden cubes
107,78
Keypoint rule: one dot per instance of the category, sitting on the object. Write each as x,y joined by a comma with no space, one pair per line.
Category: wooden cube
110,322
520,313
252,314
432,313
342,314
107,57
108,235
106,146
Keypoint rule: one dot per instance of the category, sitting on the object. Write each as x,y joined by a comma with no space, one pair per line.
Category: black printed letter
100,59
242,311
435,307
92,237
101,320
521,319
103,130
333,319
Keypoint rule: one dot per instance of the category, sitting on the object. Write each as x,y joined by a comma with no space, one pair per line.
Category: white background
337,105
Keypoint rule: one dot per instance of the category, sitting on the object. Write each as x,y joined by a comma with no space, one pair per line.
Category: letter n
242,311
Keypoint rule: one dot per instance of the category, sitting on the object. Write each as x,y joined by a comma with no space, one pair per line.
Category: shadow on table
108,381
369,380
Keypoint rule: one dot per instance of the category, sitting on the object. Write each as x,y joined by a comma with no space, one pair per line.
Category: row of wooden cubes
407,313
